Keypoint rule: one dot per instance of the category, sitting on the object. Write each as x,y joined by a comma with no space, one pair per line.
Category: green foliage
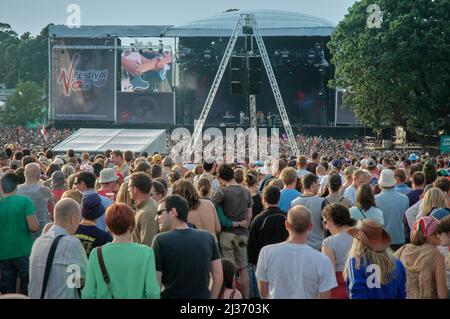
8,53
399,73
25,105
23,58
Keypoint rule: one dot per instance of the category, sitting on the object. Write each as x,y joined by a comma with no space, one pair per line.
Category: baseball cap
337,164
167,161
440,212
413,157
371,163
443,172
427,225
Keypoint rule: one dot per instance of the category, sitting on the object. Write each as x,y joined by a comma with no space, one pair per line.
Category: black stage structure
92,83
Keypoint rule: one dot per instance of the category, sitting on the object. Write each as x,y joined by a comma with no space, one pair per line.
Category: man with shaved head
69,262
39,195
292,269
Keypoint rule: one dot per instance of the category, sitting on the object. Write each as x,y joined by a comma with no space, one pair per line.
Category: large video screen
145,108
146,66
83,81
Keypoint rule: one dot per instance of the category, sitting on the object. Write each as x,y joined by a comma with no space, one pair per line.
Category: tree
398,73
24,58
25,105
8,55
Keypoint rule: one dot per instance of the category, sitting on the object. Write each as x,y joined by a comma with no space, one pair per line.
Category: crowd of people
328,224
32,139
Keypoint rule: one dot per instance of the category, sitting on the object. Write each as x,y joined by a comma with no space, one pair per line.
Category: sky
34,15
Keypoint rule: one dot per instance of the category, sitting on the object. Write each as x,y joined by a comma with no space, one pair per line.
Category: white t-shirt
295,271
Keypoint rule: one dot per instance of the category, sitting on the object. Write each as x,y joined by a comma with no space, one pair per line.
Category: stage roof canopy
101,31
100,140
270,22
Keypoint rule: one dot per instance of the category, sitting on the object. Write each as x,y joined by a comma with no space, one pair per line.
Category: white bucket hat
107,175
387,178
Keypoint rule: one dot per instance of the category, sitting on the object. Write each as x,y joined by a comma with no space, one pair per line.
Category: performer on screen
136,64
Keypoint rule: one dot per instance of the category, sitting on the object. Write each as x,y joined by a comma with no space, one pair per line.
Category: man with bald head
292,269
69,262
39,195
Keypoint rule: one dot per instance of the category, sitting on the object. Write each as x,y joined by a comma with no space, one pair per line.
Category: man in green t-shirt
17,221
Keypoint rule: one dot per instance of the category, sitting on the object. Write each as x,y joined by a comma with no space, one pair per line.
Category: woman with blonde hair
71,181
371,270
348,178
425,265
434,198
74,194
68,170
202,212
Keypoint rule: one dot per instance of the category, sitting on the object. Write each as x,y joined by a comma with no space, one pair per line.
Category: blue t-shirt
360,286
287,196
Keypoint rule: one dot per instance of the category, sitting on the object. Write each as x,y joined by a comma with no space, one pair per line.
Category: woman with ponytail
251,179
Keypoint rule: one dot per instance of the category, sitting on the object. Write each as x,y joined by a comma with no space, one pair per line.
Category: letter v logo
67,80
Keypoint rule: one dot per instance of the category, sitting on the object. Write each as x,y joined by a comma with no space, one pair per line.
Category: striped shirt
69,252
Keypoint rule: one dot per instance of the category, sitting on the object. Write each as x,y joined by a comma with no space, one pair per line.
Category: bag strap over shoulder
49,264
105,274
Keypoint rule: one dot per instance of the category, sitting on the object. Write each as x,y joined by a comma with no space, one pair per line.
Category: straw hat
372,234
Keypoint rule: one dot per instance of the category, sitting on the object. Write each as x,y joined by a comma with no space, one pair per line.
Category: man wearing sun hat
156,159
109,181
394,205
413,158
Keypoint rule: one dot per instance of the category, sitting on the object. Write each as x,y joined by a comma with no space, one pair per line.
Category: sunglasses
159,212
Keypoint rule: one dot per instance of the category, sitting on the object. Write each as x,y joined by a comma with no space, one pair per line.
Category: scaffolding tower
249,22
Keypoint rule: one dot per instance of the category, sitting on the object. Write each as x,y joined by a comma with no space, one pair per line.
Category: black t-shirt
91,237
257,206
184,257
311,167
266,229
